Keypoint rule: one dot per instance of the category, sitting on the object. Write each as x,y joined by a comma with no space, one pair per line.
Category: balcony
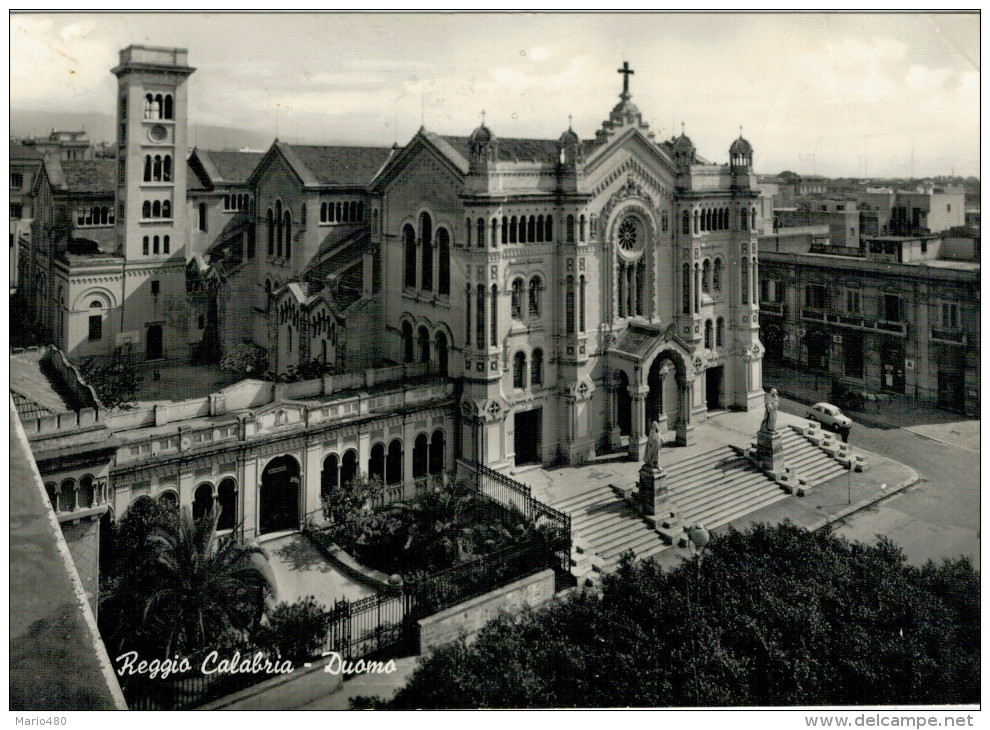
777,308
898,328
952,335
815,314
855,321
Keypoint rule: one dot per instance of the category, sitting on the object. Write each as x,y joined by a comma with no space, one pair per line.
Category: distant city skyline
830,94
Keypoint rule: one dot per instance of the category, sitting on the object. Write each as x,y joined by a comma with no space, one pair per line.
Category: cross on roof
626,72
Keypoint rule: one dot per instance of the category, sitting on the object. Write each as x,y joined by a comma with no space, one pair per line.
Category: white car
829,416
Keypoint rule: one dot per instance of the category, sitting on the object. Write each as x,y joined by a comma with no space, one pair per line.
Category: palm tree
206,590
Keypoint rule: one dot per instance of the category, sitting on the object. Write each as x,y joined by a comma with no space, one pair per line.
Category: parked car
829,416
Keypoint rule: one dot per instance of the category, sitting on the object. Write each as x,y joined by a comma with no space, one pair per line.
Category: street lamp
698,539
849,482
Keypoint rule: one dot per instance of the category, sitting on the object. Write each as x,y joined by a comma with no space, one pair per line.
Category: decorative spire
569,122
682,128
482,117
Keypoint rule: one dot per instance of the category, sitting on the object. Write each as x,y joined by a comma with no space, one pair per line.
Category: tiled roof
513,149
331,165
90,176
233,166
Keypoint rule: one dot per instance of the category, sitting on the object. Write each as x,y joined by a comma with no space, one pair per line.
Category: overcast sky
833,94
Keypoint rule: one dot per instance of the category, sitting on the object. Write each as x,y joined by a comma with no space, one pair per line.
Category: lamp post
698,539
849,482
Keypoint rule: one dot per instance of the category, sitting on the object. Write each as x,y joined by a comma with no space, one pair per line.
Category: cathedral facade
574,290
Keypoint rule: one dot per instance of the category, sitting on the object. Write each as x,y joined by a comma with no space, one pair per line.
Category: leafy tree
246,360
774,616
125,542
115,380
192,591
295,630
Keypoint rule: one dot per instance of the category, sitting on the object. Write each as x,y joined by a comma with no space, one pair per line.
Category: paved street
940,515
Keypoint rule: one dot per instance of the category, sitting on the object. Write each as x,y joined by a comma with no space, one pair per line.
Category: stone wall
466,619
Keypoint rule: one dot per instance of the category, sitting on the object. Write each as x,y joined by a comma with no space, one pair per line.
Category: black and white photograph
496,360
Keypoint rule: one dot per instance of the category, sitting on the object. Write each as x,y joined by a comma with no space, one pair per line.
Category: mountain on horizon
100,128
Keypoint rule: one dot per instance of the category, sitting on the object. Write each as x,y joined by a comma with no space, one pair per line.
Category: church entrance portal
529,437
280,495
713,387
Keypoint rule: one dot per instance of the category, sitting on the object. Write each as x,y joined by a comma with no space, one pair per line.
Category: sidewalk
897,411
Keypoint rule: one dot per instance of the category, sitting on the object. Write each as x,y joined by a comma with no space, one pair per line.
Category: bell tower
151,151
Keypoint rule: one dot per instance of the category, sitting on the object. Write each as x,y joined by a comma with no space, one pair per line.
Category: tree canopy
774,616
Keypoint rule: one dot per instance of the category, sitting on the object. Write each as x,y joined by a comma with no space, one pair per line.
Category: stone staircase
718,486
713,487
603,526
808,460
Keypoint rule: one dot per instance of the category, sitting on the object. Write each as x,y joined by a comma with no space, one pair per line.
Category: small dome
683,143
482,134
569,138
741,147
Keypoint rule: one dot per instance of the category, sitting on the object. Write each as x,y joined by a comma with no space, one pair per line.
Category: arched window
697,216
663,221
166,209
330,476
421,456
331,213
686,289
536,368
67,496
227,497
582,229
156,209
167,168
535,296
480,316
144,245
202,501
706,272
744,275
424,344
442,353
85,494
494,322
494,238
443,262
288,234
271,232
148,100
581,302
717,276
407,342
437,452
481,232
467,315
697,289
169,112
340,212
522,230
685,223
519,370
569,305
147,168
156,106
323,212
393,465
720,332
289,346
154,246
708,334
426,241
539,229
348,467
570,229
743,220
146,209
467,230
505,230
513,222
752,219
376,462
165,245
516,298
409,238
531,230
548,232
278,228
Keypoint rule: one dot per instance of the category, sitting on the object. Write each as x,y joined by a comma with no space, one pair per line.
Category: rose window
628,234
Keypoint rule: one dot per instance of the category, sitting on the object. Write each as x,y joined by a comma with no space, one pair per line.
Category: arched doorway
773,341
660,379
348,468
227,499
420,461
154,342
280,495
330,474
436,452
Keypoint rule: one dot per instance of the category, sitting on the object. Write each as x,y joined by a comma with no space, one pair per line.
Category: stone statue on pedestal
770,419
653,446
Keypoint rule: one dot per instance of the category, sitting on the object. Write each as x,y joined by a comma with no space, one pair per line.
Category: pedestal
653,497
770,451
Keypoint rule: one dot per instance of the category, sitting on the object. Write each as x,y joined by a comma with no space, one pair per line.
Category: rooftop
90,176
336,165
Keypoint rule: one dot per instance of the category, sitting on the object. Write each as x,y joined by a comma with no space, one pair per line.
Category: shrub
247,360
115,381
295,630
